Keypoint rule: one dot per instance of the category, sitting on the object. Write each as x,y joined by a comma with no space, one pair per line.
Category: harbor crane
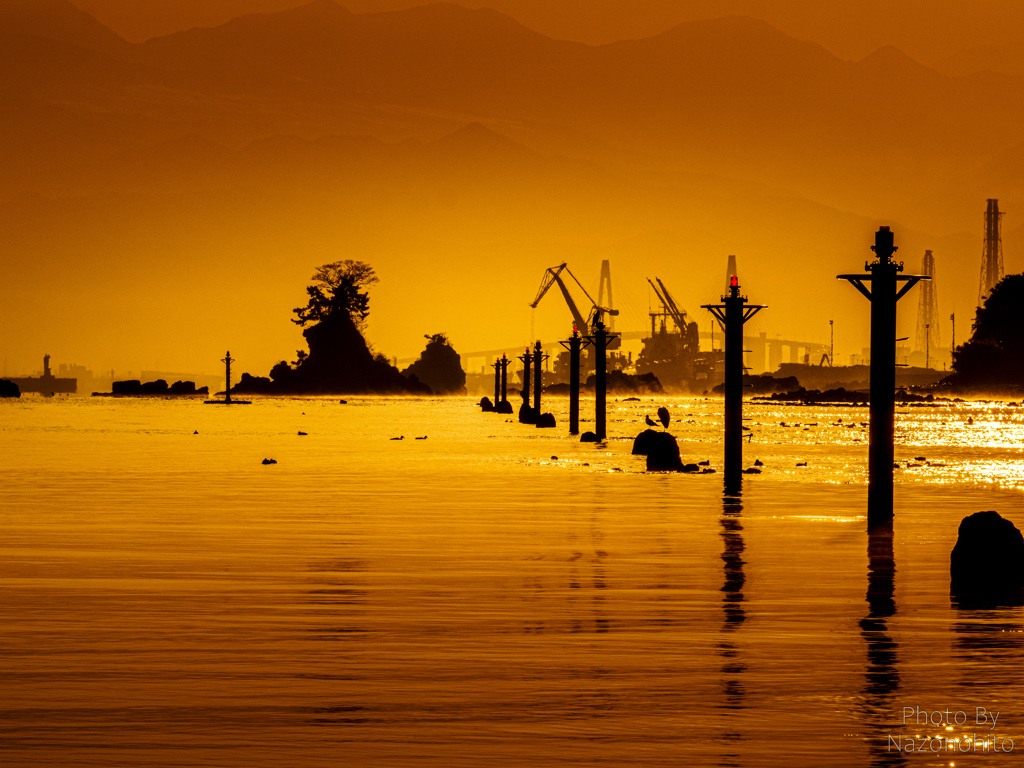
671,308
553,276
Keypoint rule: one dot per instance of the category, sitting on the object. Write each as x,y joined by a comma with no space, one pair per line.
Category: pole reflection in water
881,674
734,615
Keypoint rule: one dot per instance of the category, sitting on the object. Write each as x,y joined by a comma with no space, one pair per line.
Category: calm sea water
471,600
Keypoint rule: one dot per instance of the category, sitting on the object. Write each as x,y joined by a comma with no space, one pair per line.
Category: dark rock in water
528,414
9,389
554,458
343,402
439,367
158,387
486,405
704,463
663,416
631,399
131,387
643,442
752,471
987,563
920,458
663,454
546,421
709,471
270,461
691,468
302,434
504,407
589,437
182,388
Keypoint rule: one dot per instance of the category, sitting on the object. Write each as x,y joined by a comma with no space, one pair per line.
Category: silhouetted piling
497,381
601,339
733,313
574,345
538,358
526,358
504,378
227,376
883,274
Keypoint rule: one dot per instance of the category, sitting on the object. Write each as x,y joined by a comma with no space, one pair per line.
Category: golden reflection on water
468,599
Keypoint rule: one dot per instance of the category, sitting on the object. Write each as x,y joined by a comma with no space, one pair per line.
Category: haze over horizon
170,189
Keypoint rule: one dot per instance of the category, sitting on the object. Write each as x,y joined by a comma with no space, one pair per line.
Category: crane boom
552,276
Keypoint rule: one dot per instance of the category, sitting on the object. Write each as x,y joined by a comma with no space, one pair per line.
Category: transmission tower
992,258
927,339
606,286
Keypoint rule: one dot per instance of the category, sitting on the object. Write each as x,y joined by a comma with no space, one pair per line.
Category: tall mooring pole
227,376
504,377
497,381
526,358
574,345
733,313
883,274
601,341
538,358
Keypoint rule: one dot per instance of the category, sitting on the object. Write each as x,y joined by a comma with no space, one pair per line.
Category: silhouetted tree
338,287
995,352
339,360
439,367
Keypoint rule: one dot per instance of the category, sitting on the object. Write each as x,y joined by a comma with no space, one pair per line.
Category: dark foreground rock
663,453
643,442
9,389
504,407
589,437
486,405
546,421
528,414
987,563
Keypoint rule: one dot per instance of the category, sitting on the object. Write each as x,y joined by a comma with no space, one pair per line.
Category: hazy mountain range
458,146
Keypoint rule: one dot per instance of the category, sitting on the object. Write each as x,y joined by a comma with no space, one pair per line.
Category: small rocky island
339,361
160,387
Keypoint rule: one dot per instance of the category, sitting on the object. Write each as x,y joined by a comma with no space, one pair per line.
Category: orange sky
166,201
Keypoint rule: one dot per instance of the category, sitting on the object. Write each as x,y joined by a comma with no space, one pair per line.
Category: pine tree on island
339,360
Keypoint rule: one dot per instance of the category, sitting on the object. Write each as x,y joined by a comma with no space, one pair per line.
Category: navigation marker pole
883,274
733,313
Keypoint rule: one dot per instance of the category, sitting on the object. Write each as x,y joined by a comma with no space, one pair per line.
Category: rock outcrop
987,563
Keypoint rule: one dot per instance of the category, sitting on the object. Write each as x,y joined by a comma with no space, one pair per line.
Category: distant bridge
762,354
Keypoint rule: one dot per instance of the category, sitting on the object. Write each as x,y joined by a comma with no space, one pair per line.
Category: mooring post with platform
504,362
884,276
538,358
496,365
575,344
227,376
733,313
527,359
601,341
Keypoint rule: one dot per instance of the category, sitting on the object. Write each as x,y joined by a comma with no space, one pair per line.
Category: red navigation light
575,329
734,282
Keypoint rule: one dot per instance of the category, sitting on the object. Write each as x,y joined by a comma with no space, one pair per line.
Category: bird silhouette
663,415
399,438
650,422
